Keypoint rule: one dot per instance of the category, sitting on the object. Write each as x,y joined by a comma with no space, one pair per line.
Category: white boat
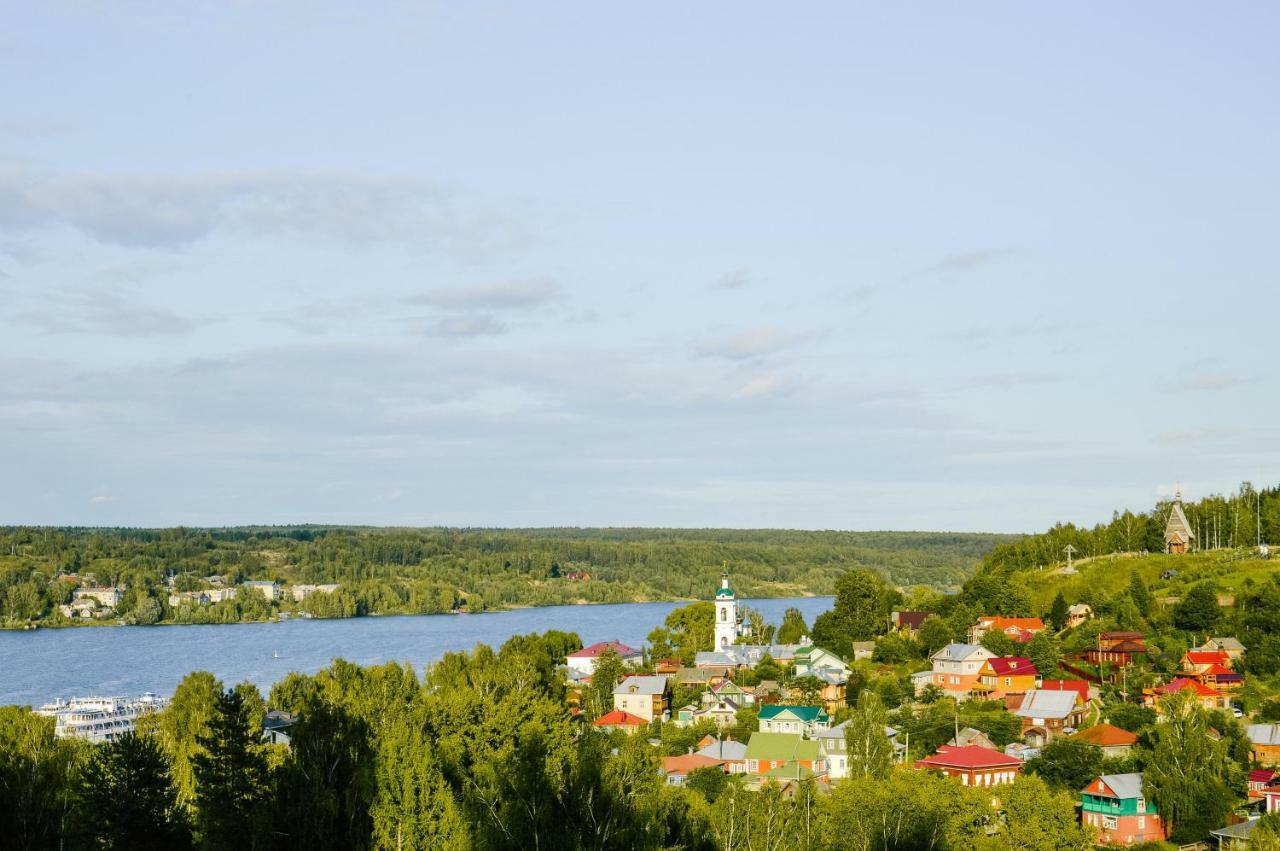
99,719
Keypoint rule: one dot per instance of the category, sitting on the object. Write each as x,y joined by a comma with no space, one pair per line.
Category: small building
973,765
1079,687
1258,781
583,662
921,680
268,589
1177,531
302,592
1111,740
863,650
1078,614
1265,741
1117,648
666,667
676,769
705,677
733,755
781,718
1003,675
1019,630
907,623
1047,714
810,659
835,748
1199,661
648,697
1227,644
728,690
1116,806
1205,696
956,667
277,727
619,720
972,737
767,751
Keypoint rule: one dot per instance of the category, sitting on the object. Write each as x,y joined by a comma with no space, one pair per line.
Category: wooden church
1177,532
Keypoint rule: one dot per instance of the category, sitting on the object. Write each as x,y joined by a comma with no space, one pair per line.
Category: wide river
128,660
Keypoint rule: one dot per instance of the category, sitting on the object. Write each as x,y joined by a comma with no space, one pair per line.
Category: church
1177,532
727,628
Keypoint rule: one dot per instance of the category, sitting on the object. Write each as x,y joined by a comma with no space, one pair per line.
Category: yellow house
1005,675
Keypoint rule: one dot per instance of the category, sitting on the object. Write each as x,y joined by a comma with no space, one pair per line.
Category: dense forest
396,571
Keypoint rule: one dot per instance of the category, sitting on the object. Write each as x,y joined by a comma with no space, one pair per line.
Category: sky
954,266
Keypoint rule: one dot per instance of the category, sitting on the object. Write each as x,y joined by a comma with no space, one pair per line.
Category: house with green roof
779,718
810,659
769,751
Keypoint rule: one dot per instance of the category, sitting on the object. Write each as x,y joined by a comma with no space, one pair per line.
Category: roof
1175,686
685,763
641,685
781,746
1047,704
1261,775
1117,786
1178,522
702,675
1106,736
1120,634
713,659
807,714
726,749
1000,622
600,646
724,592
1005,666
790,771
969,756
618,718
960,652
1263,734
1227,642
1207,657
1079,609
1128,646
1080,687
1239,830
911,620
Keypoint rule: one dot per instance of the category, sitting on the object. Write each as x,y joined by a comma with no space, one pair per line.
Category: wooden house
1116,806
1005,675
1177,531
1117,648
973,765
1112,741
1265,743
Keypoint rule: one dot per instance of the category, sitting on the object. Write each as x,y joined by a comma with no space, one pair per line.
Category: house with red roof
582,663
1199,661
1080,687
1207,697
1017,629
973,765
1259,780
1111,740
620,720
1005,675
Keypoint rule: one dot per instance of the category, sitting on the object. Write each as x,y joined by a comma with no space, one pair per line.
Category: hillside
436,570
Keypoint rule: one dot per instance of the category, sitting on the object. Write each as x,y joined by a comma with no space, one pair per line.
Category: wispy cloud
524,294
964,261
1193,435
96,311
751,343
175,210
737,279
1209,381
471,325
103,499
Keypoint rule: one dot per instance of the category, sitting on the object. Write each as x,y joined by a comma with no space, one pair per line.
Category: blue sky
914,266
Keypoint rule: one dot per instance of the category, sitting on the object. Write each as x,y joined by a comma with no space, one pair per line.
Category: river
128,660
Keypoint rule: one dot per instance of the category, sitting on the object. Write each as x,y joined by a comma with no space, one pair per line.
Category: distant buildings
93,602
268,589
1019,630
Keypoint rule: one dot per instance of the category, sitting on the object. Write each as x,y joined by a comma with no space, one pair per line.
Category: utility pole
1257,516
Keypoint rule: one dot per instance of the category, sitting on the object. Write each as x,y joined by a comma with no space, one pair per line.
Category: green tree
181,724
860,612
1037,818
1000,644
37,780
934,634
793,627
1198,611
128,800
692,628
870,752
708,782
1190,776
231,778
1141,595
598,698
1044,652
1058,611
1067,764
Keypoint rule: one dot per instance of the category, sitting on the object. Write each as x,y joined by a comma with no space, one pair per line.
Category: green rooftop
781,746
790,771
807,714
724,592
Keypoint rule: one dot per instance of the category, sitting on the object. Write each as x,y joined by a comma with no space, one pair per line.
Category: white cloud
498,295
751,343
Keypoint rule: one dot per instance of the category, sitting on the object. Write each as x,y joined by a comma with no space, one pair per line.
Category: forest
424,571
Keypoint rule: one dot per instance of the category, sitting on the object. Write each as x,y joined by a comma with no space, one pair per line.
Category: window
1142,805
724,613
1142,822
1110,822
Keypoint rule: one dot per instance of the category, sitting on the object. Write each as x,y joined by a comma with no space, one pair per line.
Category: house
677,768
1199,661
705,677
302,592
767,751
1111,740
277,727
832,692
1080,687
956,667
666,667
907,623
1207,697
1258,781
1117,648
723,713
863,650
1017,629
268,589
972,737
1227,644
1078,614
975,766
1235,837
835,750
1225,682
1265,739
1021,751
921,680
1003,675
728,690
733,755
619,720
104,595
810,659
648,697
1116,806
583,661
780,718
1047,714
1177,531
717,659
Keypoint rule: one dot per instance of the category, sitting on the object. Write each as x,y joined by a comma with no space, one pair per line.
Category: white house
583,662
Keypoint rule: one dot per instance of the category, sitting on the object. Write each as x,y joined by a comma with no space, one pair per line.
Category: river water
128,660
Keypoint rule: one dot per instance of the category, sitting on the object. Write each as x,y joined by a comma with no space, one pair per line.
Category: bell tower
726,631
